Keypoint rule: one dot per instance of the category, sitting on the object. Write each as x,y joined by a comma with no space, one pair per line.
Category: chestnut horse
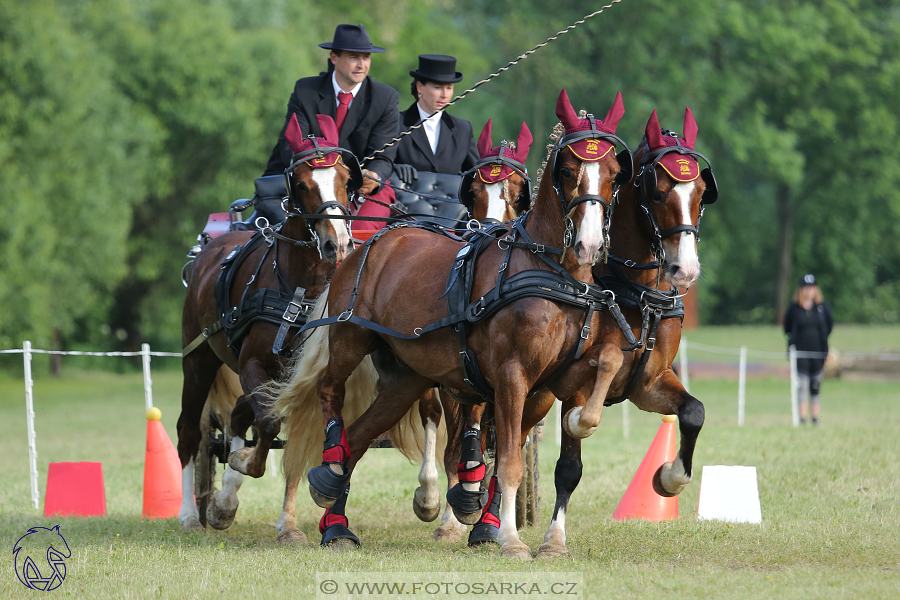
302,253
496,189
653,252
517,347
508,192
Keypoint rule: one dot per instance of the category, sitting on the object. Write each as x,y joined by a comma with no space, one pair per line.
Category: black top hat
807,279
352,38
438,68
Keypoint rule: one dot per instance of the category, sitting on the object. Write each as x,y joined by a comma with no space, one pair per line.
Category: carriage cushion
438,185
270,190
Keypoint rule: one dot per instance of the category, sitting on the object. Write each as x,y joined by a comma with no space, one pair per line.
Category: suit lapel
446,143
327,105
418,135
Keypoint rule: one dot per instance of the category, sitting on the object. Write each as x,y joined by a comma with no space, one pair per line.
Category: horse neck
629,237
546,225
300,265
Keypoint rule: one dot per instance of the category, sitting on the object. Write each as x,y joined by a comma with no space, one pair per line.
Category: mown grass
828,497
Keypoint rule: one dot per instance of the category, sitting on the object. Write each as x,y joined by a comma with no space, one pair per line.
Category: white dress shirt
432,127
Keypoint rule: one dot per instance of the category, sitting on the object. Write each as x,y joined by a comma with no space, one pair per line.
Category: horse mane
558,132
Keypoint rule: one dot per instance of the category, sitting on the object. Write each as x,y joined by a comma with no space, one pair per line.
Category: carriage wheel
204,465
527,494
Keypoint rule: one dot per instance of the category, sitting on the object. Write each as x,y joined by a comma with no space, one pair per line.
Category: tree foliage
124,123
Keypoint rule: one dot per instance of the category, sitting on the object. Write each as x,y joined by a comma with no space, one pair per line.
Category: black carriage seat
266,201
443,200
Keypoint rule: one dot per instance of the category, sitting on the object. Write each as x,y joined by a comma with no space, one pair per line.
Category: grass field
829,498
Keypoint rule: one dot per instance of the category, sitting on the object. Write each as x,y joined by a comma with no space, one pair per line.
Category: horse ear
328,129
523,142
484,140
653,133
293,135
565,112
612,118
690,128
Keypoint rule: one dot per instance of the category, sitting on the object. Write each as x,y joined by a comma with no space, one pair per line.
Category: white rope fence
27,351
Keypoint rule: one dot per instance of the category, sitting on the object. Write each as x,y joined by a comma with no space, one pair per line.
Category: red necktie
344,98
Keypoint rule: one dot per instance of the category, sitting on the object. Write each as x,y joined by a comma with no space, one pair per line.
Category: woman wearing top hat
444,143
808,324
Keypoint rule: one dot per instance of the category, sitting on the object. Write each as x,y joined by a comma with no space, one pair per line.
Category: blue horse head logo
39,557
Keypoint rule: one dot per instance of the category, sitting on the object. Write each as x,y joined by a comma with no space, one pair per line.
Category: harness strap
655,320
294,309
207,333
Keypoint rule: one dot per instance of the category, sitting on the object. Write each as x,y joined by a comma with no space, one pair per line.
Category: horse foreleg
223,504
508,405
188,516
582,421
451,530
566,478
427,498
288,532
467,496
250,411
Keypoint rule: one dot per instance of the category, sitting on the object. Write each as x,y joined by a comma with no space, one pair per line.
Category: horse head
318,179
672,191
586,173
498,187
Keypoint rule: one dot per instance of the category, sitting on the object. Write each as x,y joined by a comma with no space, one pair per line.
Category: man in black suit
365,111
444,143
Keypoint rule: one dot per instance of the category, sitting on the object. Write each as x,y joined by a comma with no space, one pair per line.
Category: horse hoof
548,551
519,552
218,517
422,510
192,524
466,518
450,534
339,537
657,484
239,459
580,433
292,536
326,486
484,533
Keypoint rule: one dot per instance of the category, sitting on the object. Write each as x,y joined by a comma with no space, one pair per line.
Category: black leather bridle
465,185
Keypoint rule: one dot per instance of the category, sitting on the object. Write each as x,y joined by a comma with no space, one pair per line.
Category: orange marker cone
640,501
162,471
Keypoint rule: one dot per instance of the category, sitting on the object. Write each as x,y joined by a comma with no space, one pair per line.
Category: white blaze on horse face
685,268
589,240
496,204
334,230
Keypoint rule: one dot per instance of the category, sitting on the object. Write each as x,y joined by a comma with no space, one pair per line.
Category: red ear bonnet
681,168
299,144
589,149
495,173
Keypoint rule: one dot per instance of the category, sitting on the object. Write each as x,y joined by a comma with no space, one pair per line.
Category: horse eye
566,172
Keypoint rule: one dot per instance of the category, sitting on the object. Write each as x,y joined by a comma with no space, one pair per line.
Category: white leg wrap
188,514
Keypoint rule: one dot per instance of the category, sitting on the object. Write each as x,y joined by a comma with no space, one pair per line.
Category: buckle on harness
630,263
539,248
345,316
292,311
585,332
651,343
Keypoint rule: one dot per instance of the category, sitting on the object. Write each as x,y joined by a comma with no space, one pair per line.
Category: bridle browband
465,185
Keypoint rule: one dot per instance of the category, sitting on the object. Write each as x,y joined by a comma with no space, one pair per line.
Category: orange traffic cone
640,501
162,471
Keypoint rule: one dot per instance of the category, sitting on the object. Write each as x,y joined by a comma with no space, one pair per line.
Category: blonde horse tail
296,399
223,395
408,436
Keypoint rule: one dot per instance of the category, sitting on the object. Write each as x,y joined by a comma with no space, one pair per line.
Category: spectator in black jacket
808,324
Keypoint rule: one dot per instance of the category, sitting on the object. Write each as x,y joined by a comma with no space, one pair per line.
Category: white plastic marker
729,494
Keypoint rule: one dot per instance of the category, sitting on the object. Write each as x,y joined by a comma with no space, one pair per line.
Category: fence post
742,386
148,382
795,414
29,417
683,362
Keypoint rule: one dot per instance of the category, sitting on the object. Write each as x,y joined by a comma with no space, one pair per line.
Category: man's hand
371,181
